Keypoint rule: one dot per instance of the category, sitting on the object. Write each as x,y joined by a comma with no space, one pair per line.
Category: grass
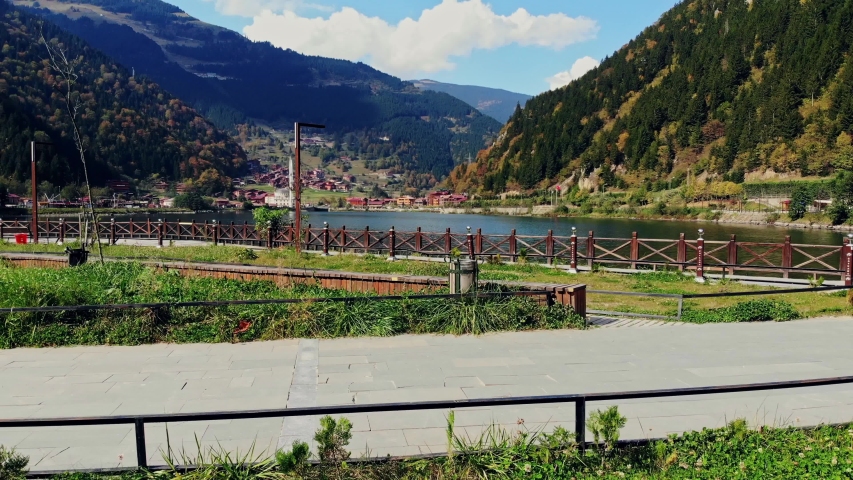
808,304
732,452
120,283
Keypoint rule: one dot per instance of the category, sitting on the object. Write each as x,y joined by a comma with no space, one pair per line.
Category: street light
297,187
35,209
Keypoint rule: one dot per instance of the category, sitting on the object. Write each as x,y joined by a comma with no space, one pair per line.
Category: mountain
494,102
130,126
715,87
233,80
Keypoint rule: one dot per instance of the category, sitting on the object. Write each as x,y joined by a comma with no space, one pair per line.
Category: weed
605,426
749,311
246,255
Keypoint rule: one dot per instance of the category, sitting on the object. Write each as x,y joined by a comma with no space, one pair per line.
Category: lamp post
35,209
297,182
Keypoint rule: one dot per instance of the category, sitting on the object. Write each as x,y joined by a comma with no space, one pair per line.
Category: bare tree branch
67,71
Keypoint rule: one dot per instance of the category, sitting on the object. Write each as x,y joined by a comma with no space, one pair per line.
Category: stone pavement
84,381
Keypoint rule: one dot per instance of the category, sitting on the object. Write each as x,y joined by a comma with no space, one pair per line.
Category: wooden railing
785,259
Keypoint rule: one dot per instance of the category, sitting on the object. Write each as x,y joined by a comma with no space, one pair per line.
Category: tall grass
122,283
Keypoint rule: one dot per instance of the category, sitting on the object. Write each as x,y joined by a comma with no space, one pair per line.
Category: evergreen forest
720,88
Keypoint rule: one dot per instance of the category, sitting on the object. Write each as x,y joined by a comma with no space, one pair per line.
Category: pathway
195,378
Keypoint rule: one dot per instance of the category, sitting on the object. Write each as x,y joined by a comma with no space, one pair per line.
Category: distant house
119,186
162,186
405,201
357,201
167,202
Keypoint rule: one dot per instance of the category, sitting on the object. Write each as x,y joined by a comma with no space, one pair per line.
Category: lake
496,224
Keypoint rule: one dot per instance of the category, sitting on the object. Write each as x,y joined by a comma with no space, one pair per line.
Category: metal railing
688,296
580,401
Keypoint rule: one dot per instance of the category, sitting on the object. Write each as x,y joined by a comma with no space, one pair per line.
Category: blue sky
475,42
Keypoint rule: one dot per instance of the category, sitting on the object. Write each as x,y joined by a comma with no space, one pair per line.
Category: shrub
267,218
246,255
12,465
749,311
772,218
605,425
838,213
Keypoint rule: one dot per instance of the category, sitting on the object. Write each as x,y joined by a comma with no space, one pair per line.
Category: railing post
513,244
549,247
269,234
447,242
573,243
2,233
148,226
325,239
479,244
47,229
141,456
580,423
246,232
61,231
848,276
366,240
787,257
470,241
343,238
635,250
112,231
700,257
590,249
392,239
681,254
418,240
160,233
130,227
732,260
215,233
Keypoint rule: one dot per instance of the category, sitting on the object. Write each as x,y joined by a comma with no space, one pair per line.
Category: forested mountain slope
725,87
130,126
494,102
231,80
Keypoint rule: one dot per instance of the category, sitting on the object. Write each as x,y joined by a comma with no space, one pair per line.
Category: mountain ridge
494,102
714,88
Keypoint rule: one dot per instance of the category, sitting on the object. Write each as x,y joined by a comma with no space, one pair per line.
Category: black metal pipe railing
580,401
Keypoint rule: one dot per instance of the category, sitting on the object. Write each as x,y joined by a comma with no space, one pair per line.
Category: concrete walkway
88,381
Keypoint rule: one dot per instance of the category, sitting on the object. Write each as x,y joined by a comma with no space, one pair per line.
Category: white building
281,199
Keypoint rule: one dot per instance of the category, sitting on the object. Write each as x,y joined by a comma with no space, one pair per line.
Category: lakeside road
88,381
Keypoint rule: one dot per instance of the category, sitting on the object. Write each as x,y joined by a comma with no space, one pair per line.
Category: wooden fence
785,259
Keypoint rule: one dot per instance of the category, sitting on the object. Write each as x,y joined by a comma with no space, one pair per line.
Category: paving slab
72,382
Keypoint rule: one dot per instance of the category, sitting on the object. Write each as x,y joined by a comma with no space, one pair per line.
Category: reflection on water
494,224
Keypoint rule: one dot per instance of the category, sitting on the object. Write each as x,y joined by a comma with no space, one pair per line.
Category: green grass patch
123,283
749,311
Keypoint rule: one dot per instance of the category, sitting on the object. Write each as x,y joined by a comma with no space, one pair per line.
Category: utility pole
297,200
35,209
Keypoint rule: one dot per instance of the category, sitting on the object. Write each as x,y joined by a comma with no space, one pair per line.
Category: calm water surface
495,224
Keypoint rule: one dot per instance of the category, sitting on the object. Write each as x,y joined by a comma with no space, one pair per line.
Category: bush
267,218
192,201
12,465
749,311
838,213
772,218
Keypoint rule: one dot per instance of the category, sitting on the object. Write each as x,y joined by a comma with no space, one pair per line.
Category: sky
521,46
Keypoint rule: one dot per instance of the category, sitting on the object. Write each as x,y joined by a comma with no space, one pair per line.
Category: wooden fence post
325,239
470,241
61,231
148,226
787,257
215,233
479,244
848,276
418,240
130,227
700,257
635,250
732,259
343,238
513,244
366,239
549,247
392,238
447,242
2,233
590,249
160,233
681,253
573,242
112,231
269,234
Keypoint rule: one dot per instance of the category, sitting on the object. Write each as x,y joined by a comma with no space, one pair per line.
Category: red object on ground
21,238
243,327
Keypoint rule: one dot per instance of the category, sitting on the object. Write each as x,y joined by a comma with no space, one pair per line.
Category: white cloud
252,8
451,29
579,68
